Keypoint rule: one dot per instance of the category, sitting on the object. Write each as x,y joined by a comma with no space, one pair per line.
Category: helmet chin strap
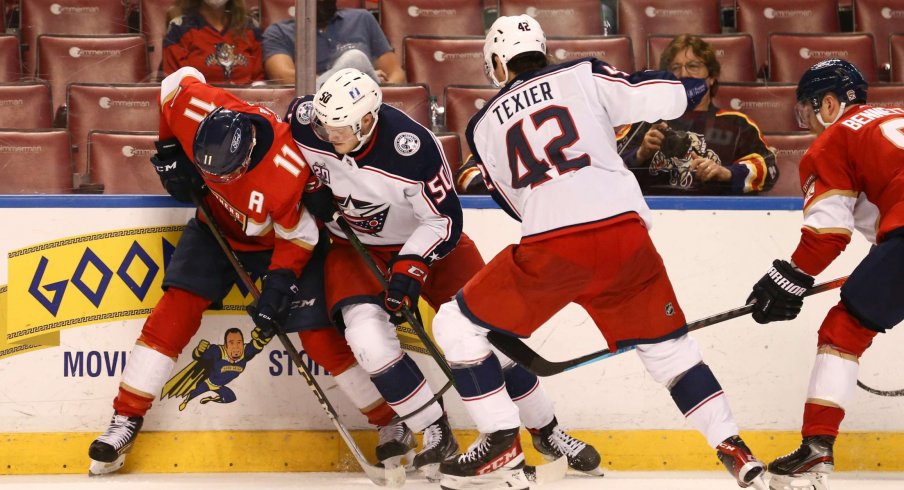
362,140
837,116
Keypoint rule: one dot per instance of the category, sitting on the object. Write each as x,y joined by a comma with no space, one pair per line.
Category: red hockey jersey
262,209
852,178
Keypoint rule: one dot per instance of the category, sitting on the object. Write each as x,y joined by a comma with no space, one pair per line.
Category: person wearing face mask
346,38
217,37
707,150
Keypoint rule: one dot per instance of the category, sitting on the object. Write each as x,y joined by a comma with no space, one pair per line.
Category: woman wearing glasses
707,150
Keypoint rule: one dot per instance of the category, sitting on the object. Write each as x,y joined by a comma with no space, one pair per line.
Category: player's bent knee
327,347
371,337
668,359
845,332
460,340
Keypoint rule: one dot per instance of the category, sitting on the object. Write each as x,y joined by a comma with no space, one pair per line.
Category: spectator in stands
217,37
346,38
707,150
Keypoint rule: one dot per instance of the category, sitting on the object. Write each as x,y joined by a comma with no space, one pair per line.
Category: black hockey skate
807,467
741,463
108,452
439,445
553,443
396,443
494,460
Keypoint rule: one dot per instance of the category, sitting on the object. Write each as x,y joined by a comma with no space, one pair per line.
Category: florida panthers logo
678,167
363,216
224,55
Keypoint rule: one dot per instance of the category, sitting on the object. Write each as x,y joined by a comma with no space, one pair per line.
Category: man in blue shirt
346,38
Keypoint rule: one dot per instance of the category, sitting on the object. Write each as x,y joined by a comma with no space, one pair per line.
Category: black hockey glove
779,295
695,88
177,173
407,274
318,200
272,307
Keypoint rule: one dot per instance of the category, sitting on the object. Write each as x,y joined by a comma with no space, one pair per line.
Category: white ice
353,481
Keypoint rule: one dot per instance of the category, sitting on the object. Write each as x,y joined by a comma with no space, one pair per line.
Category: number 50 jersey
546,144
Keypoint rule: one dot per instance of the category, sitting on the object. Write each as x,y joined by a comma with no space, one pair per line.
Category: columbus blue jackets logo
213,367
304,113
407,143
364,216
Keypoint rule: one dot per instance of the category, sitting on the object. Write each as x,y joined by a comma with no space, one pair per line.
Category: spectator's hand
382,77
652,142
707,169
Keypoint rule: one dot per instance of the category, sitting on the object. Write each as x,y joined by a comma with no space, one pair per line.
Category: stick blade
385,477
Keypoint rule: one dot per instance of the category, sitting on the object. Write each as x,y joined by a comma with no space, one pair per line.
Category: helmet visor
333,134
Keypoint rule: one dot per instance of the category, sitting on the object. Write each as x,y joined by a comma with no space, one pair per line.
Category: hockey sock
405,388
524,389
832,384
381,415
820,420
360,389
174,321
131,404
327,347
482,388
145,374
700,398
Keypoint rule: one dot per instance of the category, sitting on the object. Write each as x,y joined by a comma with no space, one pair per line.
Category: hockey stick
392,477
874,391
521,353
412,320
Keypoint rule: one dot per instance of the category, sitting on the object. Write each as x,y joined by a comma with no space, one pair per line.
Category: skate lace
119,432
394,432
433,435
564,443
477,450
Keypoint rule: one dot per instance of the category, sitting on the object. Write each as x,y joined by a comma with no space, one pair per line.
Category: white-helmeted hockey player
392,184
547,150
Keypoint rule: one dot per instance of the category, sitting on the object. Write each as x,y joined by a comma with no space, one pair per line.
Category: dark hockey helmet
837,76
223,144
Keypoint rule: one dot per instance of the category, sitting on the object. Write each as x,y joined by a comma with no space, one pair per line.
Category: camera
675,144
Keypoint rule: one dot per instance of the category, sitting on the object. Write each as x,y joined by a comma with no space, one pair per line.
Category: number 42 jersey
546,145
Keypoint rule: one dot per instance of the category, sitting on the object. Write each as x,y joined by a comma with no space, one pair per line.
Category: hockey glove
695,88
407,274
177,173
318,200
273,306
779,295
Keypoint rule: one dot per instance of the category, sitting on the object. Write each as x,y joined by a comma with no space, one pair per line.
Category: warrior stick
521,353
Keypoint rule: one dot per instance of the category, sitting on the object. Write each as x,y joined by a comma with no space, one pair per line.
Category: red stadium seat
451,149
462,102
120,160
615,50
790,55
10,58
789,147
90,17
896,56
109,107
442,61
25,105
153,26
881,18
35,161
772,107
733,51
761,17
412,99
559,17
401,18
274,97
90,59
886,95
642,18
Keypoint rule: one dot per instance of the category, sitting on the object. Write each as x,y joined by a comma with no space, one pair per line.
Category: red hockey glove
779,295
407,274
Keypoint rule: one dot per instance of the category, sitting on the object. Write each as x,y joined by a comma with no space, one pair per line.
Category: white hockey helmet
508,37
342,102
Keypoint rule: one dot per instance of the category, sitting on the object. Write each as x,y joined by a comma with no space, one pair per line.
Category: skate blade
758,483
598,471
98,468
803,481
431,472
547,473
508,479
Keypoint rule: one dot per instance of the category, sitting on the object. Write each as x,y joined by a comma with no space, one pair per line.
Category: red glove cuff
412,266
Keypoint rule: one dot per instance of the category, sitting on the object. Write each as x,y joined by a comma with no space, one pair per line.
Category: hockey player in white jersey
390,180
547,150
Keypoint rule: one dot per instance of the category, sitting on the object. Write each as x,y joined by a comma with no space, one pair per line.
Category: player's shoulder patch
304,113
407,144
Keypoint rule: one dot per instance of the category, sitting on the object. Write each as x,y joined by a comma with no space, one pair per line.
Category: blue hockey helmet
223,144
837,76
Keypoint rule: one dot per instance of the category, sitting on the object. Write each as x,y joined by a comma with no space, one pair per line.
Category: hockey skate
494,461
741,463
396,446
807,468
439,445
108,452
553,443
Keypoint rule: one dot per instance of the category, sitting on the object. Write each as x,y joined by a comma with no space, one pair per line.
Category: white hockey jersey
547,147
396,191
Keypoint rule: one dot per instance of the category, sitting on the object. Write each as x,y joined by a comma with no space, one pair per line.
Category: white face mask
216,3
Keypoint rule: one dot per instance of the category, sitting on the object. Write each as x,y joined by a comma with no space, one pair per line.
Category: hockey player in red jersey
389,177
852,177
546,147
242,158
